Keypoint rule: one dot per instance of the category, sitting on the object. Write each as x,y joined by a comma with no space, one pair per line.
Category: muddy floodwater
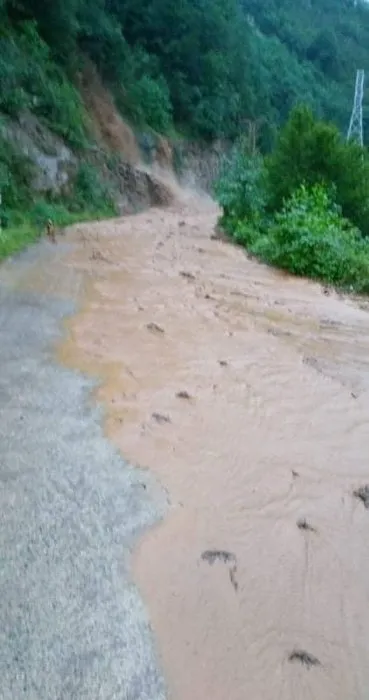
246,392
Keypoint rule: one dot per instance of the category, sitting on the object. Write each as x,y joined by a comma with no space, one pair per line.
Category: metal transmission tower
355,130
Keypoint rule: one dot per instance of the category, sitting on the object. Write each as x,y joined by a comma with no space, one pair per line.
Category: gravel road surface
72,625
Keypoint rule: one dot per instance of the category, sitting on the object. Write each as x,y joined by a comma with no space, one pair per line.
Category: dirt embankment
246,392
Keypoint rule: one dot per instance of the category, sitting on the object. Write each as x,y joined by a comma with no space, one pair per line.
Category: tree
312,152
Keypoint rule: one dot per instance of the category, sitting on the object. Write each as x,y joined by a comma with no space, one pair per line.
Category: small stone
363,495
304,658
303,524
187,275
183,395
154,328
161,418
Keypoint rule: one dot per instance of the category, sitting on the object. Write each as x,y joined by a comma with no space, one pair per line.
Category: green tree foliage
305,207
29,79
240,188
310,237
207,65
309,151
323,41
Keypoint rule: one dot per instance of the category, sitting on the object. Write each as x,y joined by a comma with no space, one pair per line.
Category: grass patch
23,230
15,238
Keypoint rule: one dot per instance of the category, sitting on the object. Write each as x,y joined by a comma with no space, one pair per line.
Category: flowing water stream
246,392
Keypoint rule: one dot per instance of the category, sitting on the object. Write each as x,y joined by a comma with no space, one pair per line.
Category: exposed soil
108,126
257,581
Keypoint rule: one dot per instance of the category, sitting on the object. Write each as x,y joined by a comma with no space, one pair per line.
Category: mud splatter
304,658
363,495
303,524
213,555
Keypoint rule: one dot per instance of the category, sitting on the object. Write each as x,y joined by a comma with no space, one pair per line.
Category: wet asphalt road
72,625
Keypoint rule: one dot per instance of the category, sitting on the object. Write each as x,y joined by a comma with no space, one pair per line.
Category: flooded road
246,393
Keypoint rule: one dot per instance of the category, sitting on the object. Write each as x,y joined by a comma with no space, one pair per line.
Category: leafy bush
42,211
240,188
310,237
90,192
16,174
151,103
29,79
310,151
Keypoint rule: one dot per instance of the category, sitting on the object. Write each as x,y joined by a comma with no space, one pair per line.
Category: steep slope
203,67
199,71
310,52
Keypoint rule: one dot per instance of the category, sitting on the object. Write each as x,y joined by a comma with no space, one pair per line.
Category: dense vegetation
204,65
305,207
199,68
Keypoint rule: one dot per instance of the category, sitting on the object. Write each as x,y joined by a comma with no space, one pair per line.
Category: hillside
310,52
201,65
199,70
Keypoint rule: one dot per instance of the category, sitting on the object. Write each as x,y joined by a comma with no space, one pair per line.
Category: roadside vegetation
23,214
305,207
201,70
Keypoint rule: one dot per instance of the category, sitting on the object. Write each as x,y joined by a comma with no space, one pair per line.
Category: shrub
153,100
16,174
310,237
310,152
240,188
90,192
29,79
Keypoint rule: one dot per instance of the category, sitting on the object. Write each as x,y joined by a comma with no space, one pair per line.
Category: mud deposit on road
246,392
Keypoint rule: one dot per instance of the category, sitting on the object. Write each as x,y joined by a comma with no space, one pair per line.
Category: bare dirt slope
108,126
246,393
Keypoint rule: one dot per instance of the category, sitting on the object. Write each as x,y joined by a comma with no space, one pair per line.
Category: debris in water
183,395
363,495
187,275
182,223
295,474
303,524
219,235
232,576
154,328
223,363
212,555
354,396
314,363
278,332
304,658
97,255
161,418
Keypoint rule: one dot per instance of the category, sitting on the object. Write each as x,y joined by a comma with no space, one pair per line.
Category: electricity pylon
355,130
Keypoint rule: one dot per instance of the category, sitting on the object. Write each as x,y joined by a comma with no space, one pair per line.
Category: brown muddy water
246,392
